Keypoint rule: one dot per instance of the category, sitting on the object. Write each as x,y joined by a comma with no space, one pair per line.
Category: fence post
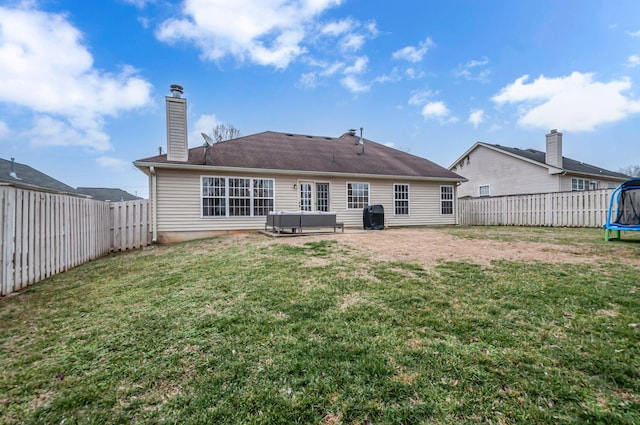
8,239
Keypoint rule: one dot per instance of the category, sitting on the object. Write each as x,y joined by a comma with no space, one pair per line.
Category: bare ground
428,246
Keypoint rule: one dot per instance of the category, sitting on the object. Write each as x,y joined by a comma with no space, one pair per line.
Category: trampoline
625,201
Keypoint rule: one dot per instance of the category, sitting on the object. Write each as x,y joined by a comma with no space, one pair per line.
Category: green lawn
271,332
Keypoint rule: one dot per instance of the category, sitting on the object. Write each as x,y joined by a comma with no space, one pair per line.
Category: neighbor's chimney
177,148
553,154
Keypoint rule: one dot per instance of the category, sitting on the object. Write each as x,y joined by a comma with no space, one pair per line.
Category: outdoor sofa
297,221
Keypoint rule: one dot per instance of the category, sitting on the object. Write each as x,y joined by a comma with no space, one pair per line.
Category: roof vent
13,170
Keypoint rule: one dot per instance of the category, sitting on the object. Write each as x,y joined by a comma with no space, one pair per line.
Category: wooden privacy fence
44,233
558,209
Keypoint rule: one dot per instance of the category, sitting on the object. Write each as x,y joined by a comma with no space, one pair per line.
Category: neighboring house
232,185
494,170
25,176
107,194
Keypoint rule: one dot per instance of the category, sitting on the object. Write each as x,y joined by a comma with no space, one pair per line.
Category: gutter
154,205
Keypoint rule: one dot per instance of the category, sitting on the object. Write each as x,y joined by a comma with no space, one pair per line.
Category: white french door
313,196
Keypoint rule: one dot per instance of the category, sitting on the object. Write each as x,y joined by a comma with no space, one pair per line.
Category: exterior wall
179,203
504,174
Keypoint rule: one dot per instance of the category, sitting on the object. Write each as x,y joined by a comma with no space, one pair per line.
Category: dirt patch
429,246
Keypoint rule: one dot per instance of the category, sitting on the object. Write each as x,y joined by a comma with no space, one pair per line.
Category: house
24,176
107,194
234,184
494,170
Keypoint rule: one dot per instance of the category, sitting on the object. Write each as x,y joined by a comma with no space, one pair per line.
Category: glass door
306,196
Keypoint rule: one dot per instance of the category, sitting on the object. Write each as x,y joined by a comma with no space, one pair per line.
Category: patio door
313,196
306,196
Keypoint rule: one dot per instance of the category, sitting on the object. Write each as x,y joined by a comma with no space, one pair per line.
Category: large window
233,197
446,200
214,196
357,195
401,199
262,196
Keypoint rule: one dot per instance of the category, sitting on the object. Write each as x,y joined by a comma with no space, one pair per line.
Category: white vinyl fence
42,233
558,209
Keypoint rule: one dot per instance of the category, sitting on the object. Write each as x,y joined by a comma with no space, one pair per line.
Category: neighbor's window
484,190
579,184
446,200
357,195
401,199
231,197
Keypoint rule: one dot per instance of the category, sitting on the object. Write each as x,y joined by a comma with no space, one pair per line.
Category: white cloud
139,3
266,33
46,69
113,164
475,70
633,61
476,117
337,28
352,42
204,124
352,84
438,110
358,67
413,54
576,102
420,97
634,34
308,80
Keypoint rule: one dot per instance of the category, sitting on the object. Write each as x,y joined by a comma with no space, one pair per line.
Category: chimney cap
176,90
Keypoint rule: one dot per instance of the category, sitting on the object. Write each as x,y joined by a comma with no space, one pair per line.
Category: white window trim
408,214
452,200
586,184
488,186
226,195
346,191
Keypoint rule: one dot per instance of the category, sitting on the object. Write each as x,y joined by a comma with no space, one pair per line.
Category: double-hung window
236,197
357,195
446,200
401,199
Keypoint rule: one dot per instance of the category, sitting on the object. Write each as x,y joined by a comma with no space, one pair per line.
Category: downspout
154,206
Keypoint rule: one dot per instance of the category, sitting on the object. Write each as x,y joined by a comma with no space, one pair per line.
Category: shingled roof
107,194
296,152
23,175
568,164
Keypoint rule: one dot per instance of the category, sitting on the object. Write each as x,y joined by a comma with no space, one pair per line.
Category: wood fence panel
558,209
42,233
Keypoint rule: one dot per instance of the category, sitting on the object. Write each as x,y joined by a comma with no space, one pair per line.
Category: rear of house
232,185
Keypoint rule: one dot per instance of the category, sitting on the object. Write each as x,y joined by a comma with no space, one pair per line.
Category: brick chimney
177,148
553,154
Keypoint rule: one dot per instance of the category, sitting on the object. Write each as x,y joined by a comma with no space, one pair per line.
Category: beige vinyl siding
179,203
505,174
176,129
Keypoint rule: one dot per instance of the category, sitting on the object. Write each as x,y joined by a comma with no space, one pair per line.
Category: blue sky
84,81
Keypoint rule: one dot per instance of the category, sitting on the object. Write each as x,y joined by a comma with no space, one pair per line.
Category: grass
211,332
